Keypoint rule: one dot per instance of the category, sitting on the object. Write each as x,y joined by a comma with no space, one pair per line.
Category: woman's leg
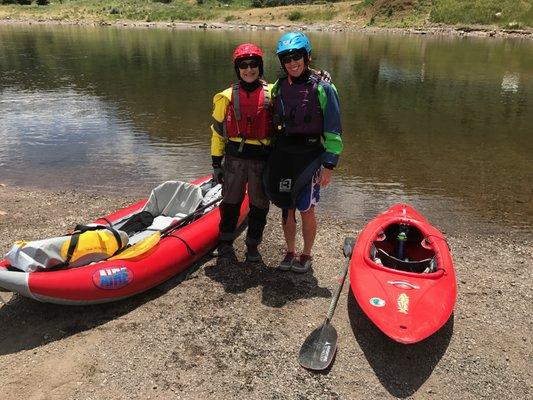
289,230
259,203
233,190
308,230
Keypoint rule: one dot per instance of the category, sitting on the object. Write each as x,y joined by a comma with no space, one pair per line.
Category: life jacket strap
236,102
266,96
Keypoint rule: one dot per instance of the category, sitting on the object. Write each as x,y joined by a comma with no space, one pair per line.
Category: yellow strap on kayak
139,249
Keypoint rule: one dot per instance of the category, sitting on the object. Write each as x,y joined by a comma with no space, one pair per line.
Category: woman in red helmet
241,133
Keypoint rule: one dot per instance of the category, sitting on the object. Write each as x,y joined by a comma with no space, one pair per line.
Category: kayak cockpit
403,247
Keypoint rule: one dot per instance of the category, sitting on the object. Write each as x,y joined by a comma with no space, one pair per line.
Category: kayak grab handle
403,285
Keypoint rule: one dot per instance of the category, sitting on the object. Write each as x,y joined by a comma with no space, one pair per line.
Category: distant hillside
503,13
513,14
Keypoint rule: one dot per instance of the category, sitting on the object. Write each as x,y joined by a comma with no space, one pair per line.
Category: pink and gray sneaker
302,264
286,263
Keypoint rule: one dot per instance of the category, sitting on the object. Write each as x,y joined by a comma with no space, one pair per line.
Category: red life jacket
248,115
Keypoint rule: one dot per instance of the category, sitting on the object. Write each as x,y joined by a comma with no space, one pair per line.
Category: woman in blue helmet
307,144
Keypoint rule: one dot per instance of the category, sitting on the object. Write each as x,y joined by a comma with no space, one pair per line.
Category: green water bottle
402,239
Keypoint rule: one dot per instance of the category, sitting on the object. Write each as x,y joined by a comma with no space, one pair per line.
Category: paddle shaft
338,291
188,218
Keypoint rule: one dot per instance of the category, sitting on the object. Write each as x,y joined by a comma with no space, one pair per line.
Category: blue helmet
292,41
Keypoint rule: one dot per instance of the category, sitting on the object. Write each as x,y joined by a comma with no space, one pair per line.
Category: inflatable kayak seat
169,202
174,197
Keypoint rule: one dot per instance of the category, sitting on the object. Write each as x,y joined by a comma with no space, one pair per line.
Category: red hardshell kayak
107,281
408,296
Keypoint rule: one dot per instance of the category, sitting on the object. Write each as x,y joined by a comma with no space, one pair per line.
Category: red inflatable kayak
402,275
116,279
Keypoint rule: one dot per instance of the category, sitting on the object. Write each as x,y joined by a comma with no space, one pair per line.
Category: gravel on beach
233,332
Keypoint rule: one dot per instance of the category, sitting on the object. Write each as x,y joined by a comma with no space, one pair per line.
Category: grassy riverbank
503,14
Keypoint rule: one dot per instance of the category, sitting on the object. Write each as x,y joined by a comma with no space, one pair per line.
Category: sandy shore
339,26
234,332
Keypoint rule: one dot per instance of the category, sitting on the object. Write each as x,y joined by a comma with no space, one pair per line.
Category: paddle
185,220
320,346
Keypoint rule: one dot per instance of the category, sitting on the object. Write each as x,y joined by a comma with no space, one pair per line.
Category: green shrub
295,16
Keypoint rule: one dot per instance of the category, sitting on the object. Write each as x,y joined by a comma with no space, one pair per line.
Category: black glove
218,174
218,171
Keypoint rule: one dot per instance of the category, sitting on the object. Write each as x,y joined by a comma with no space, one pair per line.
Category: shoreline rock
436,30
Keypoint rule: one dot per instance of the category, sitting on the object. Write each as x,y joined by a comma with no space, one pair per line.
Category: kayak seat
168,203
410,266
172,198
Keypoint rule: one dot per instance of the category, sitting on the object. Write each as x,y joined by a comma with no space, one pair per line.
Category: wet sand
233,332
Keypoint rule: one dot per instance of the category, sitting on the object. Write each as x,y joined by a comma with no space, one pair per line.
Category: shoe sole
300,270
215,253
284,267
253,259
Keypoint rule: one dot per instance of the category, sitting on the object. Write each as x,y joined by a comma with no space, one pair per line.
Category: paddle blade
319,348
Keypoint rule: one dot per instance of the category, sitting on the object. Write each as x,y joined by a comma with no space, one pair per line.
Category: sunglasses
292,57
248,64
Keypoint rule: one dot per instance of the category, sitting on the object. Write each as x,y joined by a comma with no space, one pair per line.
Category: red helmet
247,50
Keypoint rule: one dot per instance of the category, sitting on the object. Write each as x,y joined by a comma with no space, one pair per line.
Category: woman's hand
325,176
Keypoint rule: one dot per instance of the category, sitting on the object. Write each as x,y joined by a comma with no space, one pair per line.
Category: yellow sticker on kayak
403,303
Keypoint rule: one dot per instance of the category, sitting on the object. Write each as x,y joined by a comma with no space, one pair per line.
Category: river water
442,123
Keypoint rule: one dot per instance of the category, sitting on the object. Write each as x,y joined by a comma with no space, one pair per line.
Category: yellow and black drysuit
241,133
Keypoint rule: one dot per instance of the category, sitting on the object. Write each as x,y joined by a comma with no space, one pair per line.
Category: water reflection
62,137
510,82
444,123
